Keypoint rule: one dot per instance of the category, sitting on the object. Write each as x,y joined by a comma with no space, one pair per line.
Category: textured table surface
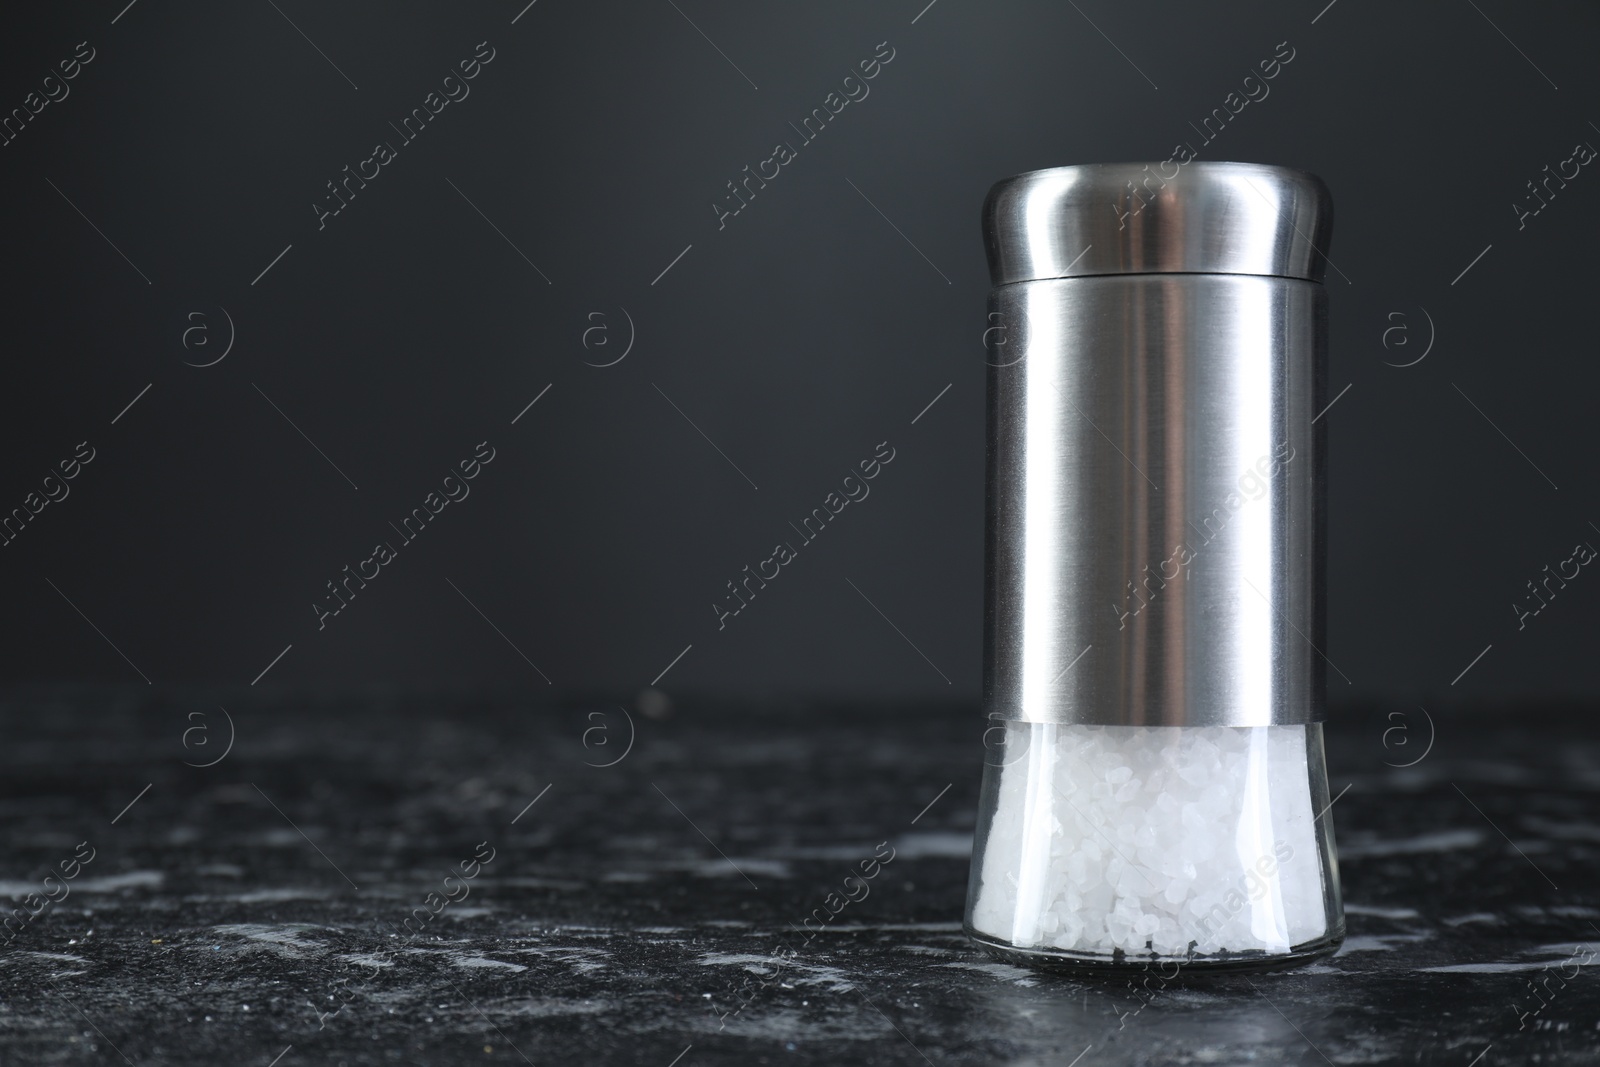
645,912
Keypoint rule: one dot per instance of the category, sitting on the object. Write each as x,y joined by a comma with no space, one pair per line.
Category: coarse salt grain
1152,840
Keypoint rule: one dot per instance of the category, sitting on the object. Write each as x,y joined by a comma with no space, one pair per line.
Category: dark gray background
797,338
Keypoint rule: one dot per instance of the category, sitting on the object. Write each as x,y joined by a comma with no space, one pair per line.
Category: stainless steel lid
1155,516
1158,218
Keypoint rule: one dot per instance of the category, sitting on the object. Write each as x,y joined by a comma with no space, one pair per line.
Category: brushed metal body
1155,536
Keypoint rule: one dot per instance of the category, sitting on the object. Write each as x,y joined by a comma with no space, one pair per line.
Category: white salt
1153,840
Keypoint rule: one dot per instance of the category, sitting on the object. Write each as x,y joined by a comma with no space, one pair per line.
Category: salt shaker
1154,576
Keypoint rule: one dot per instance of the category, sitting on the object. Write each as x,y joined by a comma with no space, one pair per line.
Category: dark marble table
255,911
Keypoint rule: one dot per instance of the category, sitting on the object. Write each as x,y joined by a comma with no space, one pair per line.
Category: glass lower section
1112,848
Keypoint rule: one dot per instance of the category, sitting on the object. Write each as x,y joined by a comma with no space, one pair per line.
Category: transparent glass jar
1113,848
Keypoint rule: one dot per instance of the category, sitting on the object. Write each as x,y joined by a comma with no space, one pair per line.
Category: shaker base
1123,965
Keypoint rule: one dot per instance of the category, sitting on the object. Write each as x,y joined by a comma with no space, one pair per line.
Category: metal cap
1158,218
